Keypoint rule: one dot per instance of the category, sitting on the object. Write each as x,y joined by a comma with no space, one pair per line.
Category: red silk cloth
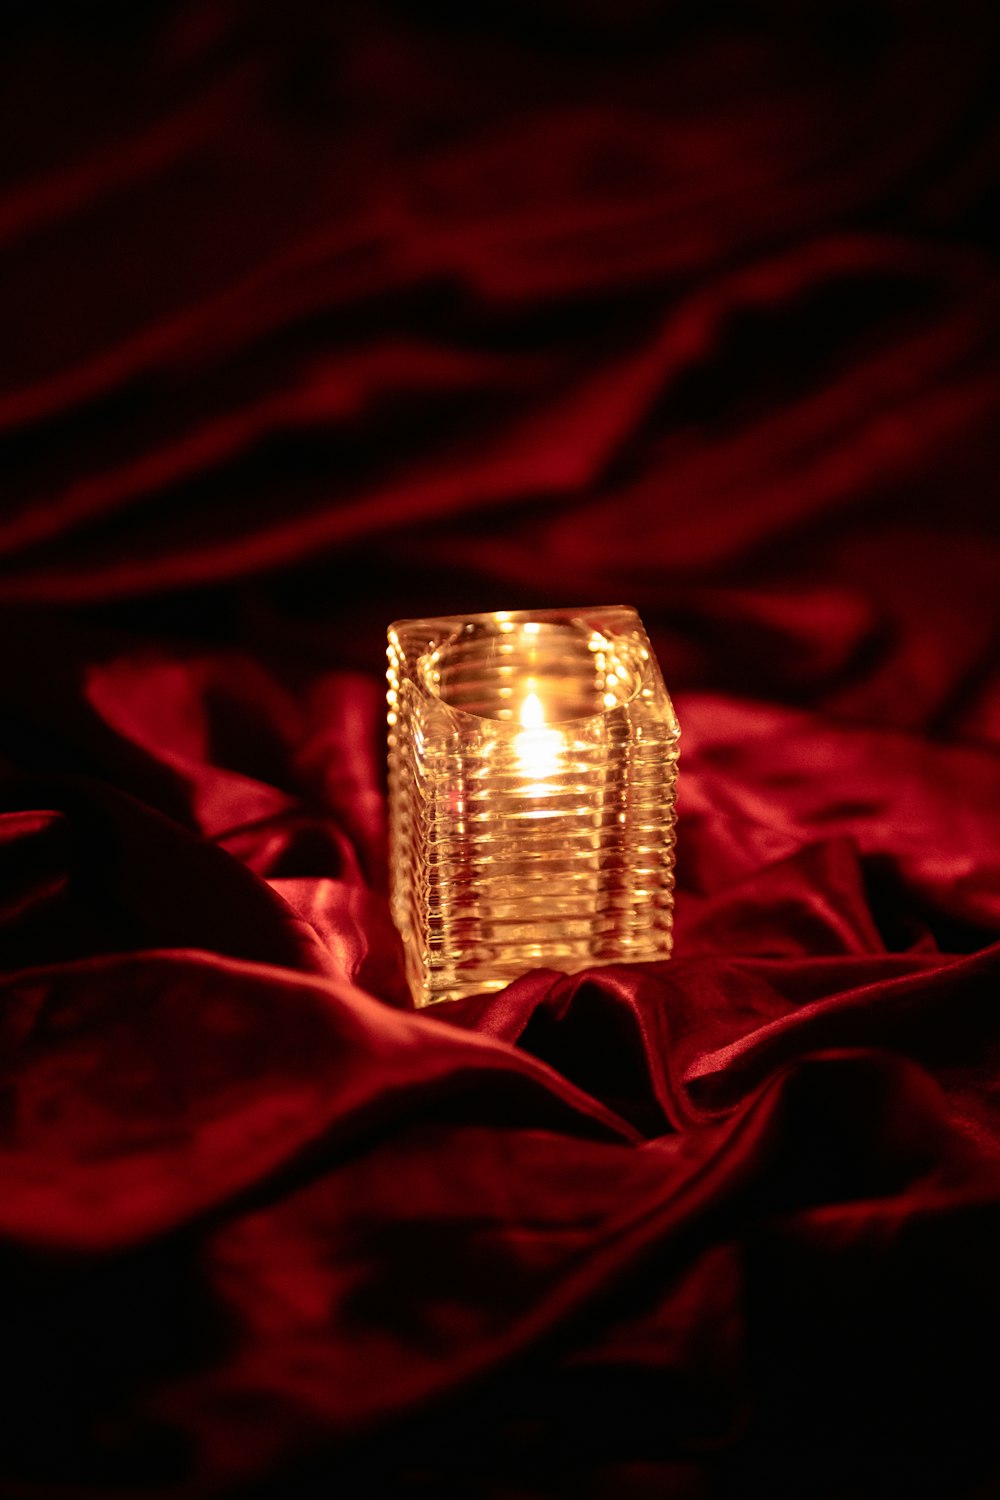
315,317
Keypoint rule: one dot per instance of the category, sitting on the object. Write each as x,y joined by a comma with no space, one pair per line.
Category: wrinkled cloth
318,317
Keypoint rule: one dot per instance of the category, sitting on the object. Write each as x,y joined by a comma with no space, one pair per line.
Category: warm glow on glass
532,777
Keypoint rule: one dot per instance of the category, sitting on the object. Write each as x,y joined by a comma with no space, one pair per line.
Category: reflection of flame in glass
537,749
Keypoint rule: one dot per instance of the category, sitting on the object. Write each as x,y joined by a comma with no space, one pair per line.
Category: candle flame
538,749
532,713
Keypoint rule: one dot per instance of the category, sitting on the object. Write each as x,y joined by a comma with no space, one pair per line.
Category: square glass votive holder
532,788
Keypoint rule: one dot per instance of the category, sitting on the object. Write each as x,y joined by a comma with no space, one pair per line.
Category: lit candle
537,748
532,775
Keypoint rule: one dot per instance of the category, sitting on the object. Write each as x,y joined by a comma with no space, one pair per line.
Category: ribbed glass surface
532,782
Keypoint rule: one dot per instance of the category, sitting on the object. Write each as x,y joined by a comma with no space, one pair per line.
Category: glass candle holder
532,787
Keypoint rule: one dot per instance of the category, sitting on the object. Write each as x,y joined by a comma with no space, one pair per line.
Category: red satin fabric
318,317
